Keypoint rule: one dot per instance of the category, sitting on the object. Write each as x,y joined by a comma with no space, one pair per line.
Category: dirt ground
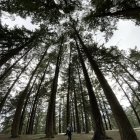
113,133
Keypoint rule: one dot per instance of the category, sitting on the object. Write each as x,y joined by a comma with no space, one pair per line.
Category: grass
111,133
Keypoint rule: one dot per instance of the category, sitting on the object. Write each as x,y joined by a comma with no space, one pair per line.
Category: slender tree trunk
54,123
99,129
16,51
60,117
37,122
9,90
32,117
68,94
17,115
51,107
132,62
76,110
83,122
126,130
129,74
136,114
84,106
3,76
101,108
25,105
73,122
106,110
131,89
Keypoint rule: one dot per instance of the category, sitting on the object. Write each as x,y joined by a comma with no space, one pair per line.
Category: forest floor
111,133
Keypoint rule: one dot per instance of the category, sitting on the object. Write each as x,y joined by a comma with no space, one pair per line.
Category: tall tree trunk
136,114
132,62
16,51
73,121
129,74
60,118
37,122
54,123
32,117
99,129
51,107
17,115
76,109
3,76
126,130
101,108
82,116
83,101
9,90
106,110
131,88
25,105
68,94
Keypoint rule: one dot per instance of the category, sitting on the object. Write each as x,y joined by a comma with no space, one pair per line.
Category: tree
9,90
122,121
23,95
99,129
51,107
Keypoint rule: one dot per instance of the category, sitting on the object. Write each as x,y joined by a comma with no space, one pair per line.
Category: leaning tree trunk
76,110
132,76
25,105
135,94
16,51
99,133
51,107
9,90
132,62
126,130
101,108
106,111
17,115
136,114
3,76
32,117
